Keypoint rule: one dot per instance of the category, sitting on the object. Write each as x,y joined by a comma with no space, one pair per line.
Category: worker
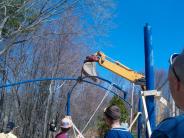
66,124
112,116
8,131
52,126
173,127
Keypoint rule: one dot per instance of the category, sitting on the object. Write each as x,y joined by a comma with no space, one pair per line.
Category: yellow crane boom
116,67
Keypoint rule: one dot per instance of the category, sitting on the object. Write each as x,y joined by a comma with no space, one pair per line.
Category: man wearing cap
9,131
173,127
112,117
66,124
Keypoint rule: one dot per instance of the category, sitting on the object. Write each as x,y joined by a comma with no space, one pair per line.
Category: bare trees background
47,38
21,18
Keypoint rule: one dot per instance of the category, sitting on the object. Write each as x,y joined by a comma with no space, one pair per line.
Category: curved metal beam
79,79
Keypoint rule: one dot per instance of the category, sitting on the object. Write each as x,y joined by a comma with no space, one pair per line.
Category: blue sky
166,18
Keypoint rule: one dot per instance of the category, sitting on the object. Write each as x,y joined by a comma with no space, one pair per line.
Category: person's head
176,78
66,124
112,114
9,127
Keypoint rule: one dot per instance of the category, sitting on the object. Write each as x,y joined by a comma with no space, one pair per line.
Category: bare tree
49,39
162,110
20,17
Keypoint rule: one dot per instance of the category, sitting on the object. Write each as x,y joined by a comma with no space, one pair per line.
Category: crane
114,66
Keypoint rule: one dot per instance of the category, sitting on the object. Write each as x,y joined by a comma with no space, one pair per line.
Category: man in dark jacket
173,127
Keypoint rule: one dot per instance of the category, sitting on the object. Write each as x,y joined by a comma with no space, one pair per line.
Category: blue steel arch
79,79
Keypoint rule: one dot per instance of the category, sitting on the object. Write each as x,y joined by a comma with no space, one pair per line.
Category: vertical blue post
68,113
149,73
68,104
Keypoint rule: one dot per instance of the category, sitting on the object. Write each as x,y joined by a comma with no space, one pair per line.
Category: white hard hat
66,123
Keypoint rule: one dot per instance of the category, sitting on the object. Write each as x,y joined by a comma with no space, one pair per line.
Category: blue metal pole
68,113
149,73
68,105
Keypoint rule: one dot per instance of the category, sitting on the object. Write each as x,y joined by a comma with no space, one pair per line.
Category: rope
132,123
106,94
74,132
163,84
75,128
60,85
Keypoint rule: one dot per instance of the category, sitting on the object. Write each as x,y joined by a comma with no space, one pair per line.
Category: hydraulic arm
115,67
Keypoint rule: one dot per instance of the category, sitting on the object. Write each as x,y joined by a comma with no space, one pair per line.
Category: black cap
10,125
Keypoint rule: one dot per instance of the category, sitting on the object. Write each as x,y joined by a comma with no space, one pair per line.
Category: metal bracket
151,93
